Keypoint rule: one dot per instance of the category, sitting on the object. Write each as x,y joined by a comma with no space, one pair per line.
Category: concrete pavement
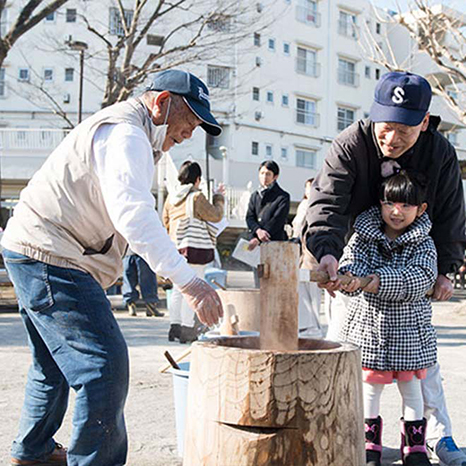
149,411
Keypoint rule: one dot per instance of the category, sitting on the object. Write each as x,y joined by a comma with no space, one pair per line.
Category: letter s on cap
398,95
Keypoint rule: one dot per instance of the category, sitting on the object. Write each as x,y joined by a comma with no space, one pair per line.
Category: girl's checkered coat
393,328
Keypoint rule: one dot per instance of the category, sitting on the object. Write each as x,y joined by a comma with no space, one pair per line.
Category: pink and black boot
373,428
413,443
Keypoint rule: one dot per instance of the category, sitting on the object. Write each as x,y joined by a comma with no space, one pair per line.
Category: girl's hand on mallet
374,284
353,285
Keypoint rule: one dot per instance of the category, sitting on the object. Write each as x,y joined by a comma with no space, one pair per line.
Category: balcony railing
308,68
308,16
237,201
348,78
30,139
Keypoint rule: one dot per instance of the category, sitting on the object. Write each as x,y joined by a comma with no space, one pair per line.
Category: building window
453,95
218,76
378,28
255,93
285,100
286,48
3,22
257,39
306,12
212,142
2,82
306,112
255,148
115,24
306,62
48,74
377,73
69,74
270,97
367,72
50,18
452,136
271,45
284,153
268,151
347,73
71,15
345,118
219,23
23,74
305,158
347,24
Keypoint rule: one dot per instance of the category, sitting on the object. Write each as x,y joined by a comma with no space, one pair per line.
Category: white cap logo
203,95
398,95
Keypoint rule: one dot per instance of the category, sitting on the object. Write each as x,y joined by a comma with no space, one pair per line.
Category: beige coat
175,209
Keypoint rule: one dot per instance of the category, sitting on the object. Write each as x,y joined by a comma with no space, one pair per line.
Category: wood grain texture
245,303
279,296
251,407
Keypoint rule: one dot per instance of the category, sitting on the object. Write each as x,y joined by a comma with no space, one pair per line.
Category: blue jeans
75,342
136,270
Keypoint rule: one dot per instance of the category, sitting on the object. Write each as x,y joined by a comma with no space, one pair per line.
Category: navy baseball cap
194,93
401,98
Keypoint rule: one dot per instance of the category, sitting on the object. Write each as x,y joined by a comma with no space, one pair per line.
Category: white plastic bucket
180,396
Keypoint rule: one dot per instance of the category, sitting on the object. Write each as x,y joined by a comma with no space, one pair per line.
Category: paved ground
149,411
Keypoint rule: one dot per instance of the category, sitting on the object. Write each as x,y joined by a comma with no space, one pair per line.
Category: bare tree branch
25,21
438,32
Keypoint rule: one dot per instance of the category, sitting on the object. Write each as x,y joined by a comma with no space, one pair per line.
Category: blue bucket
216,334
180,395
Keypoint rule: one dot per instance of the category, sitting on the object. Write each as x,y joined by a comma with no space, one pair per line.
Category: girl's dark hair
189,172
407,187
270,165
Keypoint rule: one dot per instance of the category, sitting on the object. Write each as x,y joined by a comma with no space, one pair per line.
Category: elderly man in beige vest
63,246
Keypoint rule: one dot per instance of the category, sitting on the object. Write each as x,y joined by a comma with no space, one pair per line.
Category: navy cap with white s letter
401,97
193,91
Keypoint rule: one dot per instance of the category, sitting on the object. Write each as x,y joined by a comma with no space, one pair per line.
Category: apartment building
283,92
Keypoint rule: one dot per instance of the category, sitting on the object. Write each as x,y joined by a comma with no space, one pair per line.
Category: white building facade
283,93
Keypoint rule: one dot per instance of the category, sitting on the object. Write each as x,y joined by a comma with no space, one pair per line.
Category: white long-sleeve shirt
124,165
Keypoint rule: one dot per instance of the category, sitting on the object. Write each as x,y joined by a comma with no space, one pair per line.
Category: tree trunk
274,399
266,408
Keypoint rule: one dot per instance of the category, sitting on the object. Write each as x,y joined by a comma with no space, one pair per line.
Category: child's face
398,216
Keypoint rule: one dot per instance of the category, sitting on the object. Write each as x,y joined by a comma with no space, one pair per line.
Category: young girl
390,319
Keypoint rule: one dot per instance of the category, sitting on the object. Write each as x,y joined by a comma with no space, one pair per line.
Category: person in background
399,134
267,210
186,216
63,246
310,295
137,272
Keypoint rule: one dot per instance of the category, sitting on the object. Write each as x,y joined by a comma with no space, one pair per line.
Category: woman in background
185,216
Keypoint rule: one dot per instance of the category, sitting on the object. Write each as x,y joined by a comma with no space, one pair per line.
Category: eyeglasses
401,206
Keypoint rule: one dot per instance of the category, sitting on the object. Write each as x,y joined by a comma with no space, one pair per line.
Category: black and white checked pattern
393,328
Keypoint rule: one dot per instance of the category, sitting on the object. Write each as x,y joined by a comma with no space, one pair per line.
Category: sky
404,4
